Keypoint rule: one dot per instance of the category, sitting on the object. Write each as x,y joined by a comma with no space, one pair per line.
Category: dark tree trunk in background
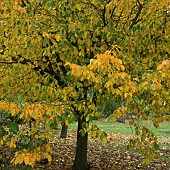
81,148
121,119
64,131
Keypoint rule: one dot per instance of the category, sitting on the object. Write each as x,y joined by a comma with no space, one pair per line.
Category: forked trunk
81,148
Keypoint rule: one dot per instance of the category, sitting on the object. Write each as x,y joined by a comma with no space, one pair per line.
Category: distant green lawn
126,129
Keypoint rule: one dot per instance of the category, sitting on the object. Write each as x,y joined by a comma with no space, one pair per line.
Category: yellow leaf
153,102
48,147
78,7
1,142
118,61
122,67
38,157
66,122
160,102
48,128
46,155
123,75
93,134
21,115
104,140
36,136
114,118
165,62
38,148
12,105
18,159
12,144
26,160
12,160
93,61
144,84
87,118
130,94
48,52
145,161
13,112
33,159
126,95
159,67
58,37
5,137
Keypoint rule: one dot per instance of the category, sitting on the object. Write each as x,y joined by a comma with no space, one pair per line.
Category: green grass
126,129
162,131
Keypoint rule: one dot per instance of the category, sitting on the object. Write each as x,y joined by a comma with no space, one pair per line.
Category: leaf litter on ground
103,156
106,156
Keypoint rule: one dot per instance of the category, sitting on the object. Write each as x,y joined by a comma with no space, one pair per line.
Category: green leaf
2,132
83,132
39,142
156,146
134,28
88,96
54,125
5,114
13,126
46,40
146,161
72,39
29,42
37,88
64,115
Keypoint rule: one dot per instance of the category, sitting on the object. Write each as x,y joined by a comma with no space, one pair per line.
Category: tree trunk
81,148
64,131
121,119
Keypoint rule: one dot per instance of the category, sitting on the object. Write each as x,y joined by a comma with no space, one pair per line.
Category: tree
46,36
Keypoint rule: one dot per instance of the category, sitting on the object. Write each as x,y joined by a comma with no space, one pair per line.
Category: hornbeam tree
54,41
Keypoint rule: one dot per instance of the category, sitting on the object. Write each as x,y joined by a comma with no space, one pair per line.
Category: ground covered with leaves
101,156
112,155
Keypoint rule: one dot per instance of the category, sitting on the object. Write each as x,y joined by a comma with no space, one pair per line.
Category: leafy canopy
63,54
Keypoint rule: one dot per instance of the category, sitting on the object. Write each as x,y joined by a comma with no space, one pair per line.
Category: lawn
124,128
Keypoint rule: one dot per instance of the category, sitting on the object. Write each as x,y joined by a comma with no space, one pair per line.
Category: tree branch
135,20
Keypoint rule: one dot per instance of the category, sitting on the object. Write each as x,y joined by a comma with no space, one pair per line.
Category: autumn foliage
60,59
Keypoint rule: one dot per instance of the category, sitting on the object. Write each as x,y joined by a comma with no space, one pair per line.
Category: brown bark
81,149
